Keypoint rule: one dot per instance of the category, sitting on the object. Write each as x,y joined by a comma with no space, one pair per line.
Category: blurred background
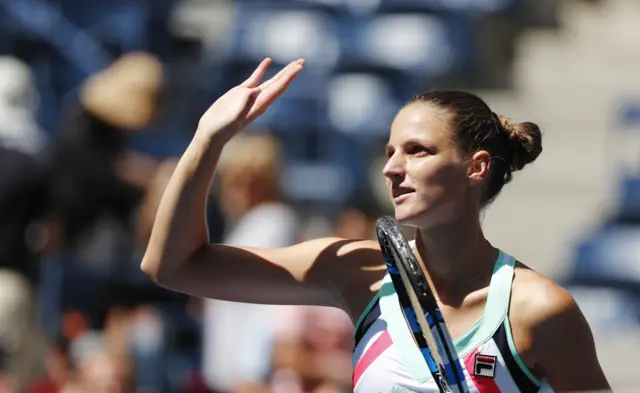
98,99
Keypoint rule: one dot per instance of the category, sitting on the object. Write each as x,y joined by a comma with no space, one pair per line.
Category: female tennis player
449,156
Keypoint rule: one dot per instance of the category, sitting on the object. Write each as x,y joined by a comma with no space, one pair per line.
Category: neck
456,257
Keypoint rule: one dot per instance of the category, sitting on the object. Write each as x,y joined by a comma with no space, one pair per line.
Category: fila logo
484,366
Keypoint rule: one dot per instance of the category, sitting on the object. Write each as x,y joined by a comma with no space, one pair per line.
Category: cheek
445,180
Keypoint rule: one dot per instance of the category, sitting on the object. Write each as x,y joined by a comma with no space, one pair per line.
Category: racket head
393,243
401,260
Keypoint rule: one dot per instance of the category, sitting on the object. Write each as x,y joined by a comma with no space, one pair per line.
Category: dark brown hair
477,127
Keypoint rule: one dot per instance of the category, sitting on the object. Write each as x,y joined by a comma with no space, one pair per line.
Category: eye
417,150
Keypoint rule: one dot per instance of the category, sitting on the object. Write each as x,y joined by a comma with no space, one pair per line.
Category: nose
394,168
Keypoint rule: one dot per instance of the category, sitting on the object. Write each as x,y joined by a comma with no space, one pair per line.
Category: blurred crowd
77,210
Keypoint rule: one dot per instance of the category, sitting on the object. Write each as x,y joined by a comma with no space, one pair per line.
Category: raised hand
238,107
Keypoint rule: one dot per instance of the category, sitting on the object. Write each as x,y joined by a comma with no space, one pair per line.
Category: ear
479,166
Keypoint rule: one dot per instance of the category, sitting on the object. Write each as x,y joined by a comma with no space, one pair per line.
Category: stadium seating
629,203
610,256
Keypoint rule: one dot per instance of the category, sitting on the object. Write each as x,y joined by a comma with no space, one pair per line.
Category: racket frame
399,255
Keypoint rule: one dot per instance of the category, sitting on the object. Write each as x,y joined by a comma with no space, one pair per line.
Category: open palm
238,107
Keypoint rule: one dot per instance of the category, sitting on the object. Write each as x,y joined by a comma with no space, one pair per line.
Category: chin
420,217
411,217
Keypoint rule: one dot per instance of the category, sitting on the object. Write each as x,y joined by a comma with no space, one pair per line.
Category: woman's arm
179,255
566,348
553,334
315,272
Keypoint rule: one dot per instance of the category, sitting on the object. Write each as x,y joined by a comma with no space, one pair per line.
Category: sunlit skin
426,173
437,188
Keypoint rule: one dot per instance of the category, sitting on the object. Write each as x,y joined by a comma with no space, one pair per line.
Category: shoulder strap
495,310
499,296
368,317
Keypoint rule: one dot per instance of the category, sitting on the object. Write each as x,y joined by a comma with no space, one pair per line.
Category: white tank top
387,359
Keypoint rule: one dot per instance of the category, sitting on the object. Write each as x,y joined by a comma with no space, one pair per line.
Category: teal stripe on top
367,310
494,314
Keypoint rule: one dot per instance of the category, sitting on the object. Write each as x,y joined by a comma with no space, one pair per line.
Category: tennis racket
420,308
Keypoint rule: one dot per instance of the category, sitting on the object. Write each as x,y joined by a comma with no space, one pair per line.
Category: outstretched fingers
283,71
275,88
257,75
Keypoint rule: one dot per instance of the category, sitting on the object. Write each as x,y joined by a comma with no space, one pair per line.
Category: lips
399,191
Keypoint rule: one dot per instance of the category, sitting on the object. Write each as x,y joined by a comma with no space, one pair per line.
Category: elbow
151,268
163,269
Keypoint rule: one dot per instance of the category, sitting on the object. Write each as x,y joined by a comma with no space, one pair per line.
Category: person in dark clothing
93,172
23,211
24,201
85,180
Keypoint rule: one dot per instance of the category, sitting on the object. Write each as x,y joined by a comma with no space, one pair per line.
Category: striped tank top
387,359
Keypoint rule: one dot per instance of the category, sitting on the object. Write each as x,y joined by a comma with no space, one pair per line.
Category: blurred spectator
356,222
23,207
19,338
18,103
313,345
100,371
143,327
153,194
237,337
151,200
23,179
94,174
312,350
58,369
96,182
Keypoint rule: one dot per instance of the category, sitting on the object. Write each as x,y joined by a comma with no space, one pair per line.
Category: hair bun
526,142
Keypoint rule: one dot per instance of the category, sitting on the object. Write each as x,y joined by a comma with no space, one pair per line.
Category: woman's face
426,173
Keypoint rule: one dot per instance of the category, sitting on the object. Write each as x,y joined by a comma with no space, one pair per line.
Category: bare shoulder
552,335
536,299
359,274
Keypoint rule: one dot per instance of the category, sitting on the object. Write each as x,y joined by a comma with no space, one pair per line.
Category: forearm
180,227
179,233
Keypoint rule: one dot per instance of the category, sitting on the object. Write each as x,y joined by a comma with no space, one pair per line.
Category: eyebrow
414,140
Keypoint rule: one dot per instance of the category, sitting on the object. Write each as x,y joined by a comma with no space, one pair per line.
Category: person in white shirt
238,336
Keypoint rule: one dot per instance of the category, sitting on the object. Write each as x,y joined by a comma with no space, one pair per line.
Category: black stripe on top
369,319
525,384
